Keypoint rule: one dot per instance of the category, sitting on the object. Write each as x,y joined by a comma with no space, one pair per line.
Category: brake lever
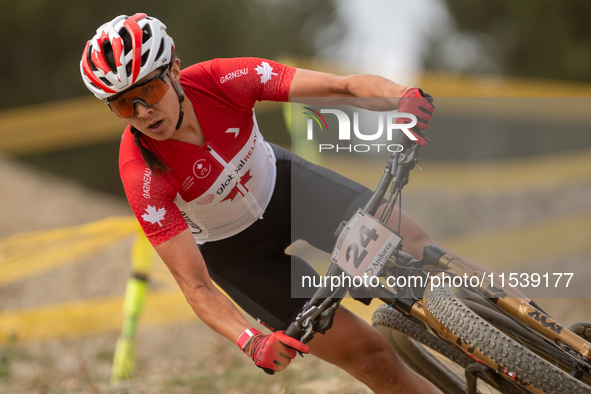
410,154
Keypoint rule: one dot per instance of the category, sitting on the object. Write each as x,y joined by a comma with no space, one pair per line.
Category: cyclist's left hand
420,104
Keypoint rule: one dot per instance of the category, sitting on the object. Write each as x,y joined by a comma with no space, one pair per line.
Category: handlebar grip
293,331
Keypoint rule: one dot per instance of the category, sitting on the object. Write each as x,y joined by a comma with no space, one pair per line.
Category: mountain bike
467,336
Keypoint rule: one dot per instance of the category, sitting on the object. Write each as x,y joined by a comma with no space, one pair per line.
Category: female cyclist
215,199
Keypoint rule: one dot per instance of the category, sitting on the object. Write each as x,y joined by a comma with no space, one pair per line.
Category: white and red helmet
124,51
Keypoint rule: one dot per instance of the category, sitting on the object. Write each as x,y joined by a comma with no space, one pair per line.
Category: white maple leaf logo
265,71
154,215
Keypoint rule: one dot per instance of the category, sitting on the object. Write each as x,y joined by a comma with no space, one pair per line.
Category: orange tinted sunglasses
148,94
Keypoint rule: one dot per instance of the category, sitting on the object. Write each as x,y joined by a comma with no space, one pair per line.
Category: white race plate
364,245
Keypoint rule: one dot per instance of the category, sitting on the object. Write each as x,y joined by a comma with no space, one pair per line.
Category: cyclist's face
159,121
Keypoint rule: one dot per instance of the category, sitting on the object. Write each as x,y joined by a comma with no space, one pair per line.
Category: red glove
274,352
420,104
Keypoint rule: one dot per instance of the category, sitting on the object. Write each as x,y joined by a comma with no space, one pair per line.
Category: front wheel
526,366
434,358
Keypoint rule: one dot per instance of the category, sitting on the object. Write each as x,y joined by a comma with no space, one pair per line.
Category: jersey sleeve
247,80
151,197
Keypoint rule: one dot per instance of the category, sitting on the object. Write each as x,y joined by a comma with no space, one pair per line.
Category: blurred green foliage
42,40
6,358
530,38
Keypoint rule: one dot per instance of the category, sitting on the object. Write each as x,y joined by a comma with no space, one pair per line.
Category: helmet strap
179,92
181,113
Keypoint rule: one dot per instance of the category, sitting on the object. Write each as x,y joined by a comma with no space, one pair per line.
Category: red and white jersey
224,186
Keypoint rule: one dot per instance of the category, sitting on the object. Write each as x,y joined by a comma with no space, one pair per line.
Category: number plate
364,245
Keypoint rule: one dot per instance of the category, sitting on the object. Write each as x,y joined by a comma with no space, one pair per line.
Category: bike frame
318,314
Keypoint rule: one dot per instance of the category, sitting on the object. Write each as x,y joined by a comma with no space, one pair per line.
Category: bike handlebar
392,175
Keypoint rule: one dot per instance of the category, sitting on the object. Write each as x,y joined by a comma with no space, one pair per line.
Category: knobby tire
410,340
500,348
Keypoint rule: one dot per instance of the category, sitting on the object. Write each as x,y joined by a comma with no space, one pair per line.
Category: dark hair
152,161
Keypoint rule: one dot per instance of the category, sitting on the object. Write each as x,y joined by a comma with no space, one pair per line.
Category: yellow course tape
498,250
538,173
91,317
70,123
27,254
24,255
103,315
540,242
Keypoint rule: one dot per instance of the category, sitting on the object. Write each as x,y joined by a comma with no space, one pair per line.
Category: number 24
365,236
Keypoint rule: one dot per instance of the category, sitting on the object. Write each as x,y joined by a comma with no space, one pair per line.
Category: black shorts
308,203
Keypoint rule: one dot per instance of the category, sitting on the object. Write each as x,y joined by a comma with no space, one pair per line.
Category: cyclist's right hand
274,352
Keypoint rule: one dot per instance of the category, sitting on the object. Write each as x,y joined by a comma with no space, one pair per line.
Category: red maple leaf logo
99,60
117,50
247,177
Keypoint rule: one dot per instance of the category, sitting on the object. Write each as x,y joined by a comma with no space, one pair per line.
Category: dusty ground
190,358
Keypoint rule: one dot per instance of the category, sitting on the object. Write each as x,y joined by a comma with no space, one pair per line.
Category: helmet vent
145,57
124,34
90,62
147,33
107,49
161,49
106,81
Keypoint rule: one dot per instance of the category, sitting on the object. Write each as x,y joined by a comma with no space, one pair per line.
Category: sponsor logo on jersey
234,74
265,71
195,229
147,180
154,215
187,183
245,178
247,156
205,199
225,184
201,169
235,130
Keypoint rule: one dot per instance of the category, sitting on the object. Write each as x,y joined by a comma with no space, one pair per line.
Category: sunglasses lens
148,94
